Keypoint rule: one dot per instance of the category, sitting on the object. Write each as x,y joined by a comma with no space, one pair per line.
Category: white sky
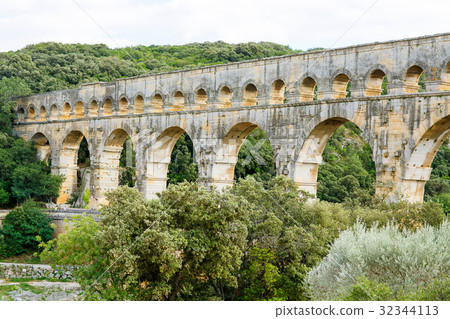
301,24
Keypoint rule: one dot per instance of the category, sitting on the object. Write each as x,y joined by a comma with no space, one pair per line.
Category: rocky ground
38,290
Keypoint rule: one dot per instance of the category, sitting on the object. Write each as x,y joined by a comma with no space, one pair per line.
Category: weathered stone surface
219,106
34,271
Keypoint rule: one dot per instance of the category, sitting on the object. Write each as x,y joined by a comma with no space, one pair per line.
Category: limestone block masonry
298,100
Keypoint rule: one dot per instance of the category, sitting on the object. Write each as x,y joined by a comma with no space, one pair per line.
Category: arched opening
419,165
412,77
167,163
21,115
245,150
68,165
107,108
93,109
53,112
341,86
445,78
80,195
437,188
79,110
250,95
182,166
66,110
225,96
139,105
277,92
42,146
157,103
42,114
123,106
127,163
308,88
108,173
375,83
178,101
335,163
200,99
31,114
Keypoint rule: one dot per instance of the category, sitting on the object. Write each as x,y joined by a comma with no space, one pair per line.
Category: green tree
186,245
22,176
294,235
21,226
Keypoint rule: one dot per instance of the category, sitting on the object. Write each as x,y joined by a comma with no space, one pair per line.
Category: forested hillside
55,66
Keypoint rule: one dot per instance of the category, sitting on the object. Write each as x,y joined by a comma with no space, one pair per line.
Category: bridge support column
437,85
151,186
413,183
103,179
306,176
293,96
70,183
104,175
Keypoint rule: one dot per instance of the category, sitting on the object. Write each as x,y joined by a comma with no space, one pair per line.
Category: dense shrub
367,290
22,225
405,261
403,214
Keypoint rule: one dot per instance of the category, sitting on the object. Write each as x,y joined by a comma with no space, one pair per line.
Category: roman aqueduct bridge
298,100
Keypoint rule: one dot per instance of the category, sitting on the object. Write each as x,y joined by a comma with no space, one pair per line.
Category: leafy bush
404,215
367,290
2,246
180,246
286,233
405,261
22,225
75,246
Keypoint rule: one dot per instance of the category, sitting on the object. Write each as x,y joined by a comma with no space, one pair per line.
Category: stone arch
123,105
311,148
339,85
79,110
31,113
277,92
42,114
411,79
224,97
107,107
20,115
250,94
374,82
158,159
66,110
93,108
157,103
42,145
307,88
178,101
139,104
53,112
227,154
418,166
201,98
68,164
